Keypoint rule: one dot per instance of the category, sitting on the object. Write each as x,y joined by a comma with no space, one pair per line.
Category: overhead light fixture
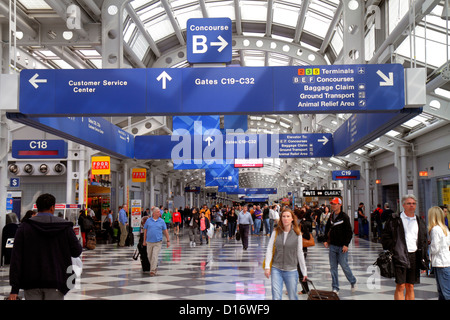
43,168
14,168
28,168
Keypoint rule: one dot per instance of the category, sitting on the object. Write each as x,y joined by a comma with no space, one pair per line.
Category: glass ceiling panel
431,51
184,14
253,10
34,4
221,9
160,28
285,15
316,24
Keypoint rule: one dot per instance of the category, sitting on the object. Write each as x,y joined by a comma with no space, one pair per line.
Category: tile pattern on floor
220,270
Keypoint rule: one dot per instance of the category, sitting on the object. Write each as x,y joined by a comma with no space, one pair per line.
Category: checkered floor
221,270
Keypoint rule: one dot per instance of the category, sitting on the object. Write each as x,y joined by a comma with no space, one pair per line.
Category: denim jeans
443,282
257,226
336,257
289,278
266,226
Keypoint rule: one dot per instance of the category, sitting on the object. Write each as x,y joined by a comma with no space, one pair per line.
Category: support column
353,33
112,33
367,193
152,188
403,179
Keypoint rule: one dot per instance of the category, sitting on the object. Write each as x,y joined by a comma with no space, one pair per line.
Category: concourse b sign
208,40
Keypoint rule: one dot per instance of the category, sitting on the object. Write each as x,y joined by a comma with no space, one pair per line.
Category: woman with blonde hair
284,252
439,250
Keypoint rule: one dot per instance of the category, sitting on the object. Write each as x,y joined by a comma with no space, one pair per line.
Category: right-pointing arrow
388,81
222,43
324,140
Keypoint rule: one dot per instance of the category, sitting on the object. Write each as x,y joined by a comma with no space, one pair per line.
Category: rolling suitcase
315,294
144,258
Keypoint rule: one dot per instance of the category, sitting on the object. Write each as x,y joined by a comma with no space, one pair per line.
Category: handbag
238,236
308,242
386,264
273,253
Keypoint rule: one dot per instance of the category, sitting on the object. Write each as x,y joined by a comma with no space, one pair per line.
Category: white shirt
273,215
439,248
300,256
411,231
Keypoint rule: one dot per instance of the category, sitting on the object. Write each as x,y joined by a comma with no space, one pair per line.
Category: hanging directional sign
196,148
95,132
346,175
209,91
208,40
340,87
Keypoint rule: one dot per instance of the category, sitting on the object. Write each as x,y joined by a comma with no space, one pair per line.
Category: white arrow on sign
34,80
209,140
222,43
164,76
324,140
388,81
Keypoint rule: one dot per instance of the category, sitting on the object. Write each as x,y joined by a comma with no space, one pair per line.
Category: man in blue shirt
154,229
123,223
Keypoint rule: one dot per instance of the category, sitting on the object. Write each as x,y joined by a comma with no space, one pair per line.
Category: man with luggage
405,235
339,231
154,229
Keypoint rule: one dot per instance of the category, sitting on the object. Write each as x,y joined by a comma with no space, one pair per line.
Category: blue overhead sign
94,132
360,129
340,87
194,91
225,176
209,40
39,149
217,147
346,175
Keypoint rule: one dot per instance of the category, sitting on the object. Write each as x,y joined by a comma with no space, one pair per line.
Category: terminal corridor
220,270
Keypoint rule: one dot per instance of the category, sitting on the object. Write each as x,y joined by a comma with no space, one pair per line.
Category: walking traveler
123,224
405,235
244,221
154,229
339,231
284,253
439,250
41,258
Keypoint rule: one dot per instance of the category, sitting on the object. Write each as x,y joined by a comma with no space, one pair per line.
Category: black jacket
393,239
42,252
339,230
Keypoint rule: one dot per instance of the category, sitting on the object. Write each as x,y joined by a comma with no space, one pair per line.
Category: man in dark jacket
41,257
405,235
339,231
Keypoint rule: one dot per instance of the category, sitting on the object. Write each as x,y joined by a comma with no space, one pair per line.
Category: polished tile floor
221,270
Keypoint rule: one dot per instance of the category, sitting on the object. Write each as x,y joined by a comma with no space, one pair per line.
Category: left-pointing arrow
34,80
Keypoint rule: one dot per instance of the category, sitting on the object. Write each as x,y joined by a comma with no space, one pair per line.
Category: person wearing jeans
339,230
284,253
440,255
